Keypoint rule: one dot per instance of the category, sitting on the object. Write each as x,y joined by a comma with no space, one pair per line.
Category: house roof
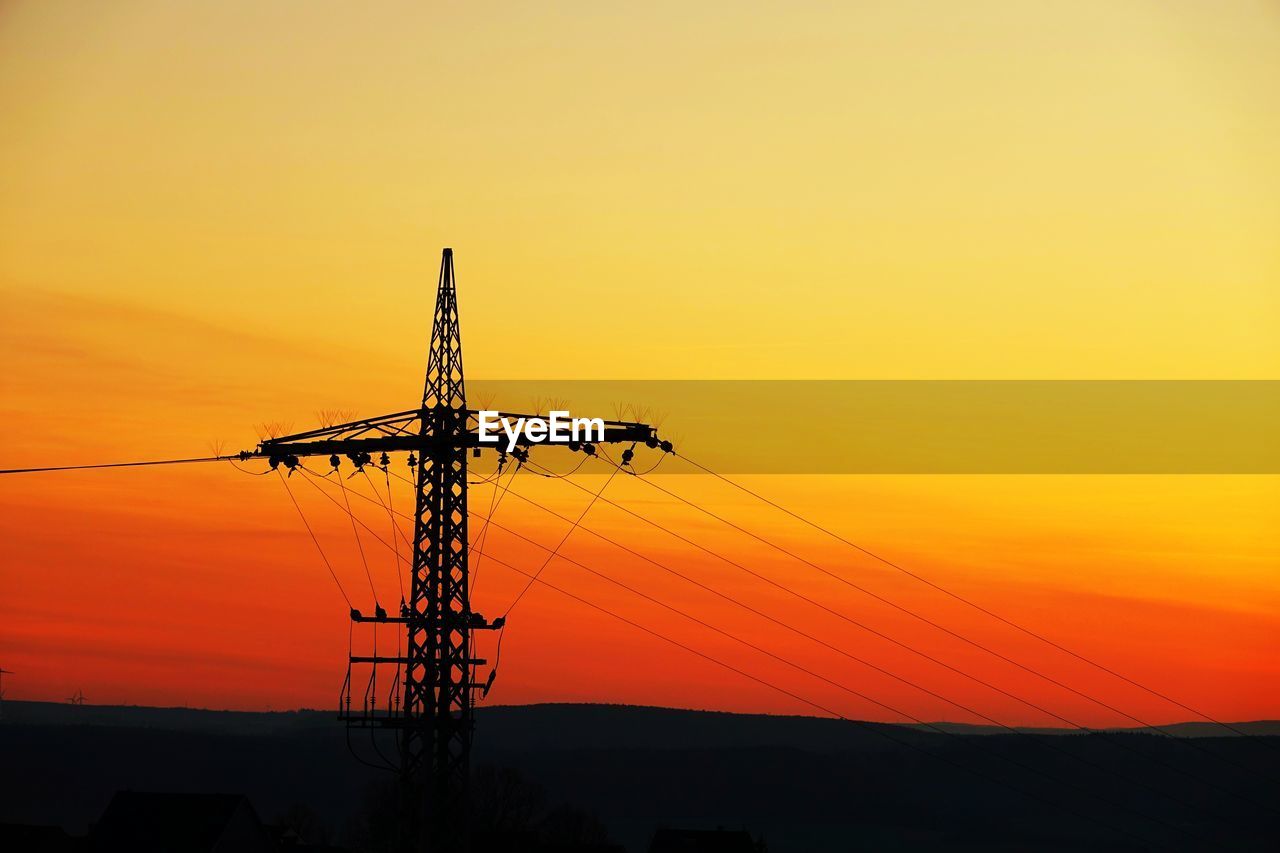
176,823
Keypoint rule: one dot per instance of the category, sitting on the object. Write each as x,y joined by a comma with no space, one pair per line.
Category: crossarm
403,431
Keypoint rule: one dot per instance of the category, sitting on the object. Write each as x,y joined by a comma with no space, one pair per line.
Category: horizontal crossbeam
379,659
475,622
402,431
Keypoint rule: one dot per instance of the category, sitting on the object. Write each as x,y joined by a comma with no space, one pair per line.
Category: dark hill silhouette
569,724
804,784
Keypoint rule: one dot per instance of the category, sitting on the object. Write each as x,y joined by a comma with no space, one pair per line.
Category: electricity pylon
435,721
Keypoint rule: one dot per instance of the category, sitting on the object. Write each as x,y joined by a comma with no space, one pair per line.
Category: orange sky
198,585
216,217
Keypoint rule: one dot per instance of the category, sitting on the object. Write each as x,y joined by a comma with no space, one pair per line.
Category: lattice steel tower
434,722
438,664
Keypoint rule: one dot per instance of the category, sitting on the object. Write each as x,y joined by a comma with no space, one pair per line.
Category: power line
554,553
826,608
495,501
908,611
535,577
1106,736
781,623
392,517
502,632
306,524
116,465
594,497
359,545
862,549
320,477
814,704
969,602
935,660
550,475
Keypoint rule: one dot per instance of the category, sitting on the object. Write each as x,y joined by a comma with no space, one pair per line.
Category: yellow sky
988,189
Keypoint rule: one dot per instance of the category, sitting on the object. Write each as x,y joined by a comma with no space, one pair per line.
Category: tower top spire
444,386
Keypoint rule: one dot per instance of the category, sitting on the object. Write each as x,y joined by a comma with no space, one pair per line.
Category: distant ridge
806,784
586,725
1255,728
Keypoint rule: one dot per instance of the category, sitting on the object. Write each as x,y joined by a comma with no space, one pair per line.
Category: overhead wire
594,497
506,615
306,524
48,468
955,634
495,501
535,578
359,545
386,764
950,593
799,632
489,522
484,480
551,475
351,749
391,516
371,697
654,467
867,698
974,605
312,478
930,657
473,571
320,477
890,674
